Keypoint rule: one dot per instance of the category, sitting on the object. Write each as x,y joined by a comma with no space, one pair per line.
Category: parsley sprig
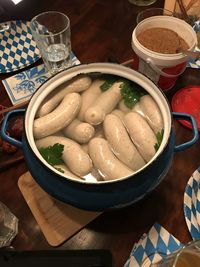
53,155
130,91
109,81
159,137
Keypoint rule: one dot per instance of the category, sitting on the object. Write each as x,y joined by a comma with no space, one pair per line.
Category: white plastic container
162,69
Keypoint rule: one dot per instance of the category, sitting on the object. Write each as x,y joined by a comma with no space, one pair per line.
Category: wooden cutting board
58,221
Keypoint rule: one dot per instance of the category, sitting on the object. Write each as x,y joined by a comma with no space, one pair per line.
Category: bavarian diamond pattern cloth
192,204
152,247
17,47
195,63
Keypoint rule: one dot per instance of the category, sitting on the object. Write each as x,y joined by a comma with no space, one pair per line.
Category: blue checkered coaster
192,204
17,47
152,246
22,85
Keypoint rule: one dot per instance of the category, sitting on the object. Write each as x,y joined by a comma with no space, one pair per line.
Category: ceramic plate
17,47
192,204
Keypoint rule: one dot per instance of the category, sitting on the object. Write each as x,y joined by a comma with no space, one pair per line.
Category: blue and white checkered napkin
192,204
192,63
152,246
17,47
21,86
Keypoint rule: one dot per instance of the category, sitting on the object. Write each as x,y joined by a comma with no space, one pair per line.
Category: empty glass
8,226
142,2
150,12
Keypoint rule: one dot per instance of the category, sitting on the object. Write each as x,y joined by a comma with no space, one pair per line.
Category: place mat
152,247
58,221
17,47
191,205
21,86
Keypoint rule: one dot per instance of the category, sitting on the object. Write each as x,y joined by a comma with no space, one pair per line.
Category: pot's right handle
4,127
184,116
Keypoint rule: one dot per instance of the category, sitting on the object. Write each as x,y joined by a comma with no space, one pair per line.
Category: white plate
17,47
192,204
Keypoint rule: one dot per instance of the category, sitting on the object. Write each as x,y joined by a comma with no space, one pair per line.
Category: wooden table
100,29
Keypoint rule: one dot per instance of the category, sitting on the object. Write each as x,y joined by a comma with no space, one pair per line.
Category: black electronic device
54,258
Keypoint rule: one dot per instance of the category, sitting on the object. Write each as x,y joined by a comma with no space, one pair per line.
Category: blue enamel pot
101,195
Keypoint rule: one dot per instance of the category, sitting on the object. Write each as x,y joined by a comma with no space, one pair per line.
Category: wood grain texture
58,221
101,28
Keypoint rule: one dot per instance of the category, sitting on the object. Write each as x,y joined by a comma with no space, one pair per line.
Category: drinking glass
51,32
8,226
187,256
150,12
142,2
4,26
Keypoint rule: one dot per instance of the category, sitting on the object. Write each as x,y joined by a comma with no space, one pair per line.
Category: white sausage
78,84
89,96
148,108
152,113
120,114
79,131
59,117
85,148
105,161
89,177
125,109
141,134
121,144
93,176
137,108
73,155
104,104
66,171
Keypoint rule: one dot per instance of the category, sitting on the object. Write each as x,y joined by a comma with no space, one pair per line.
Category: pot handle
4,126
184,116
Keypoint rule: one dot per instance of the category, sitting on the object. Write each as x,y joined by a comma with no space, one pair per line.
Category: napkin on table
152,246
192,63
21,86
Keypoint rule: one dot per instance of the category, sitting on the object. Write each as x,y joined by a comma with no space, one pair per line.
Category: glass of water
51,32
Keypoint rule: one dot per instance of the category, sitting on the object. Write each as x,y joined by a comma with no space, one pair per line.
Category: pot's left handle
4,127
184,116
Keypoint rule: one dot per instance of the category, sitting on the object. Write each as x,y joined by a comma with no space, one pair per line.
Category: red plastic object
187,100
